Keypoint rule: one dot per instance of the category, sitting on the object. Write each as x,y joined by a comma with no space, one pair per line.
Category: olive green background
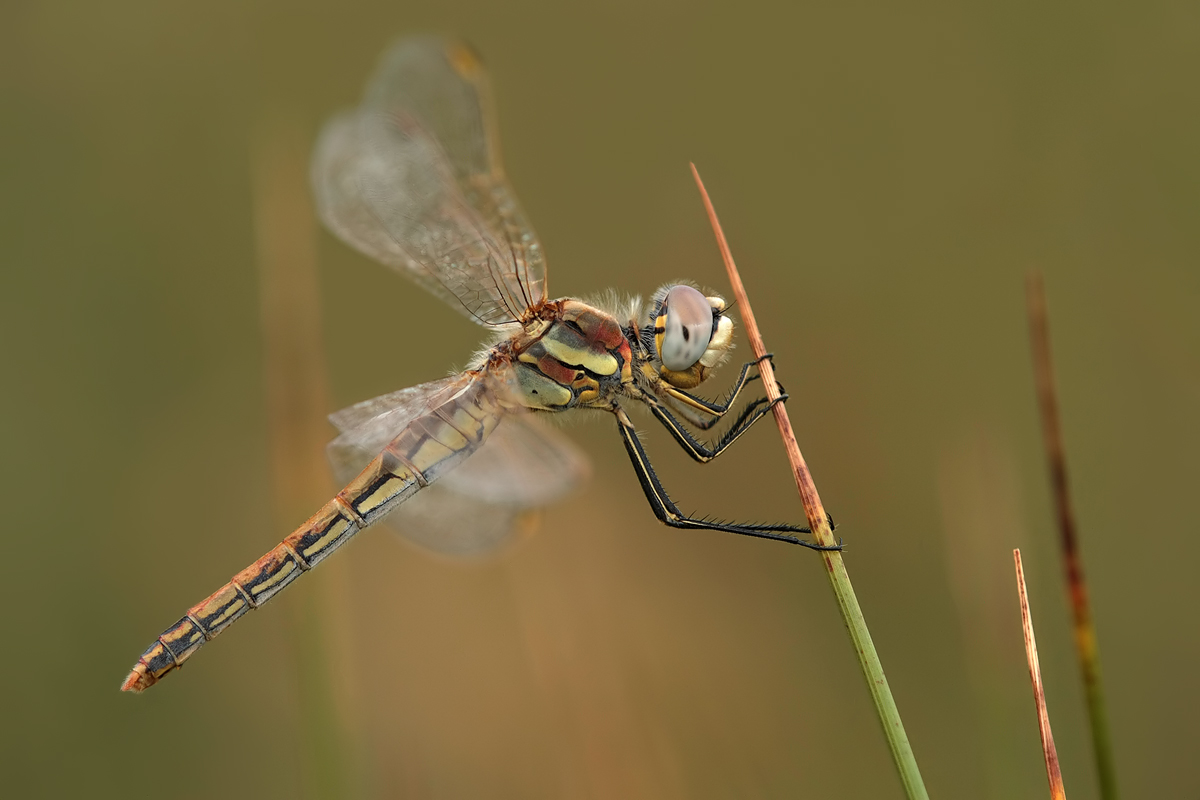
886,173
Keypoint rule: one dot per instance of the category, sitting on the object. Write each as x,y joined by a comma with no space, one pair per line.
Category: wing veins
469,215
431,273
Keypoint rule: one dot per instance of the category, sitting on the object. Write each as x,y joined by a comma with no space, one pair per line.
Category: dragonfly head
692,335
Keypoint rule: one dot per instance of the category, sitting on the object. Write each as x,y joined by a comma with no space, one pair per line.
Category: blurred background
175,326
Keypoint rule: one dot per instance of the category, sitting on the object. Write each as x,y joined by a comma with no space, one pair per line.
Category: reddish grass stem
1081,611
1053,772
839,579
297,400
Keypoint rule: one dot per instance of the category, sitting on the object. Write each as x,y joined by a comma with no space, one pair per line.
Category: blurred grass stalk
297,400
1081,610
839,579
1049,752
978,480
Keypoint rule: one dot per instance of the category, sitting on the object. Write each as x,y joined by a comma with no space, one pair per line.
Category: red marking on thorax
602,333
599,328
556,371
607,332
626,360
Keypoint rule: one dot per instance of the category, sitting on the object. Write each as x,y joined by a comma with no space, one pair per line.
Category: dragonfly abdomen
308,545
432,443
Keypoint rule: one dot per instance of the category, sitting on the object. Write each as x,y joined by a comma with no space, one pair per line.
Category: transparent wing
367,427
486,502
413,179
474,509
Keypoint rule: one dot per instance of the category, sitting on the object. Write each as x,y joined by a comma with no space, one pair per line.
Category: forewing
413,179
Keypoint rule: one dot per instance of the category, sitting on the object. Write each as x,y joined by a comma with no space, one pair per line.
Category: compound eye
688,327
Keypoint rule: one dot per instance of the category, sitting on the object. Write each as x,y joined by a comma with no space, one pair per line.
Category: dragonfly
413,179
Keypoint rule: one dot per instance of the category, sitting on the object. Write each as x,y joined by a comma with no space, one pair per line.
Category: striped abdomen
430,444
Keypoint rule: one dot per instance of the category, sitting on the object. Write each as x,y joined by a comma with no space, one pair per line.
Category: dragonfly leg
669,514
703,414
701,452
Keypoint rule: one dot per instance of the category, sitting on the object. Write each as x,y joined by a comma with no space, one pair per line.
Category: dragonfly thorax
577,355
577,359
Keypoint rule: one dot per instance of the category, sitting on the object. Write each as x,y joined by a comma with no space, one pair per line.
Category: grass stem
1053,771
1081,611
885,705
297,399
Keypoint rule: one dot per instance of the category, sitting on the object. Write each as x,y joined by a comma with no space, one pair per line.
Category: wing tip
465,60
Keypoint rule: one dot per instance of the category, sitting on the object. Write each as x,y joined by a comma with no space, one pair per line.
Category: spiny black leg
670,515
703,454
718,410
751,414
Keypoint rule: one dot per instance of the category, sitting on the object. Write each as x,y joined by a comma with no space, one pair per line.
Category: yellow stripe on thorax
568,347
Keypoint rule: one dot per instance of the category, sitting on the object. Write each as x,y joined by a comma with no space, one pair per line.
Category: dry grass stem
297,400
1053,772
1081,612
885,705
